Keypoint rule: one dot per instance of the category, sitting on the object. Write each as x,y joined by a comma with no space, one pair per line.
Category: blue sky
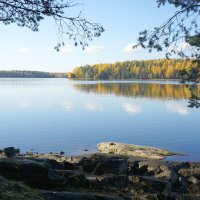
23,49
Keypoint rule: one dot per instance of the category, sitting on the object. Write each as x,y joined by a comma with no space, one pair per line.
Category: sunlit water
53,115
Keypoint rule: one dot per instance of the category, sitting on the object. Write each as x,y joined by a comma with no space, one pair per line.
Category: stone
134,179
112,166
184,182
9,169
103,164
69,166
94,175
54,164
152,184
133,150
85,150
77,181
9,152
17,151
76,196
35,175
115,182
55,179
194,189
149,197
195,171
193,180
88,164
188,197
95,183
136,169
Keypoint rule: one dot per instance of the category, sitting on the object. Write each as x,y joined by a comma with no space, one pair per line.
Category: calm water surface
50,115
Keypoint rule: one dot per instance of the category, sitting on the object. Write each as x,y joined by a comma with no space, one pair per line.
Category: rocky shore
100,176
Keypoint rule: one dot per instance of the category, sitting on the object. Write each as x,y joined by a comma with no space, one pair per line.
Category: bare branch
29,13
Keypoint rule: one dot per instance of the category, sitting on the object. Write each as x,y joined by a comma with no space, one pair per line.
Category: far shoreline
90,79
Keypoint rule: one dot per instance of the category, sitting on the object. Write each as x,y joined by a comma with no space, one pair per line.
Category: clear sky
22,49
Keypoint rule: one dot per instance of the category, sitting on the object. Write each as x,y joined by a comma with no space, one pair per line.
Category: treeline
30,74
145,69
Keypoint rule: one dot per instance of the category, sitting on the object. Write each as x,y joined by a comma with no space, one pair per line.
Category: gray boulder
9,152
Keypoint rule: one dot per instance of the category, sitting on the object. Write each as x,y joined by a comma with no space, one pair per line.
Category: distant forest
145,69
30,74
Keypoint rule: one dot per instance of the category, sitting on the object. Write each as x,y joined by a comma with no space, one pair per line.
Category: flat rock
134,150
76,196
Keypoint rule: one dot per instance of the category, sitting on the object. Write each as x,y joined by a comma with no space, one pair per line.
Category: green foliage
179,35
183,25
145,69
71,75
194,40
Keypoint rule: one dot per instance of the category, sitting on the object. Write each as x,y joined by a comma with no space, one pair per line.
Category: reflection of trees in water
194,100
146,90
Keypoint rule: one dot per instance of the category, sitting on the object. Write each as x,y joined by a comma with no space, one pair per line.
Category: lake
53,115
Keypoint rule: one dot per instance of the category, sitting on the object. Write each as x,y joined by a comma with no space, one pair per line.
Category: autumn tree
29,13
145,69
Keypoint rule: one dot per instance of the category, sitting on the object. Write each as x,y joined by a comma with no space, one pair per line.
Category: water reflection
145,90
177,108
68,106
63,115
24,103
132,109
92,106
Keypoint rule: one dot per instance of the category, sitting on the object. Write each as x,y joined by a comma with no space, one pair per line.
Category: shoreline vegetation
161,69
99,176
143,69
30,74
